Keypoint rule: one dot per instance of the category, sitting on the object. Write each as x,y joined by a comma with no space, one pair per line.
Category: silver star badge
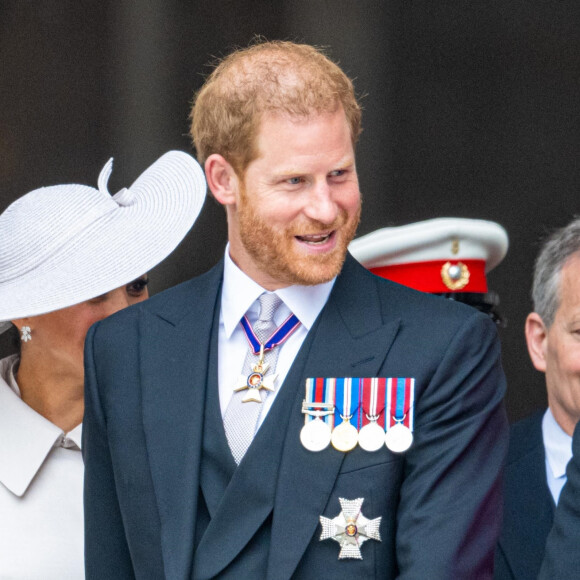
350,528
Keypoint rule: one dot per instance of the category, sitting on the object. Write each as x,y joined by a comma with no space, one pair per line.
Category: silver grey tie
241,418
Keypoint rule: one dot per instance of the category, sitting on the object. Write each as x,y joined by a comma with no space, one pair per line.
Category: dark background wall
471,110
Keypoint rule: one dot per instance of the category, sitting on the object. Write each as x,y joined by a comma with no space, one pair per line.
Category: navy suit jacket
562,557
147,370
528,504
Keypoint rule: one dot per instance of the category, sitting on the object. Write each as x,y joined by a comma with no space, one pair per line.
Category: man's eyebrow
344,163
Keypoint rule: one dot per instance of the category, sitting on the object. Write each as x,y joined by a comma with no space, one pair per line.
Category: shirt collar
239,292
75,435
558,445
26,437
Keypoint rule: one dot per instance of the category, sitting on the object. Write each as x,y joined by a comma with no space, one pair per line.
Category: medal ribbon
320,390
280,334
348,400
400,401
373,400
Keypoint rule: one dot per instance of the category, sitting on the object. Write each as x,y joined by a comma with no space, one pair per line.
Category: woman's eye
98,299
137,287
294,180
338,173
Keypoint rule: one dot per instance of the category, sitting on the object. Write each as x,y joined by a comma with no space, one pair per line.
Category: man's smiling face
299,203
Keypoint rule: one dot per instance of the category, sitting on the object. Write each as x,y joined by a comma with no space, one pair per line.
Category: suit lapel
525,530
352,338
174,362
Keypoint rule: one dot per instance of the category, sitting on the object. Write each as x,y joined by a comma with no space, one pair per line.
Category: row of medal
368,412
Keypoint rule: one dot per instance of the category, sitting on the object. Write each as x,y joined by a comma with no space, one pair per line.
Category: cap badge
455,276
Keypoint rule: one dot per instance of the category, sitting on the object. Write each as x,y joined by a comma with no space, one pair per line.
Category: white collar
239,292
558,445
26,437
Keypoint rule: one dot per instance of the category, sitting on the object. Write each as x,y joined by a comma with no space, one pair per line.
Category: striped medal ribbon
318,408
345,435
400,406
372,435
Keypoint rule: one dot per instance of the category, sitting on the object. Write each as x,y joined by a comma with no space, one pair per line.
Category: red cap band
438,275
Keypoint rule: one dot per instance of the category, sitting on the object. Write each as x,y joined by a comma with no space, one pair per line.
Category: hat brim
117,247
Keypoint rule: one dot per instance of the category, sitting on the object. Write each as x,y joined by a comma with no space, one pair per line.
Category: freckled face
562,347
299,204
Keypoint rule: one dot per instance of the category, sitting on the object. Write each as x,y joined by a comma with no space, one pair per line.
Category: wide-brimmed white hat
64,244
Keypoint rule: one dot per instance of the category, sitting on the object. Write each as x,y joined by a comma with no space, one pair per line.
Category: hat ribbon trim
427,276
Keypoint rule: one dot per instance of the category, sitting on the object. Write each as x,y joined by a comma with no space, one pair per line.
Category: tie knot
269,303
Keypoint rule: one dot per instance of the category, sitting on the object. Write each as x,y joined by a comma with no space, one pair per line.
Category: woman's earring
25,334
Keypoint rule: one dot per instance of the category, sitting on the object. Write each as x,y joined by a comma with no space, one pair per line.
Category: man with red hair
211,409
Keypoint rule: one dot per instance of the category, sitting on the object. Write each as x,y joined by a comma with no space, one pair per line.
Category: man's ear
537,338
221,179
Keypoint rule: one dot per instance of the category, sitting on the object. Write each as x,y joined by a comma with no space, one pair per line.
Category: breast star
350,528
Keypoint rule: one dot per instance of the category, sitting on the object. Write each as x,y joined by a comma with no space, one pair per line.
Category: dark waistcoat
234,496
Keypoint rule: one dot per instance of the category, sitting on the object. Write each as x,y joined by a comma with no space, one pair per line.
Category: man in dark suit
562,556
195,463
541,445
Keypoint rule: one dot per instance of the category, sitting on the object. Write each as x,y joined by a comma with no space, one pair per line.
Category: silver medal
399,438
371,437
344,437
315,435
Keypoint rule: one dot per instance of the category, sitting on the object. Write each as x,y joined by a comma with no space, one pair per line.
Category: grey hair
554,254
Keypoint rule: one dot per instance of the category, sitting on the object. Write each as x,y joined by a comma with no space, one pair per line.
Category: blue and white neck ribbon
280,335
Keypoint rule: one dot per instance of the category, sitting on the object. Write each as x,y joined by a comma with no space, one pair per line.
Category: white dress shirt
239,297
558,446
41,491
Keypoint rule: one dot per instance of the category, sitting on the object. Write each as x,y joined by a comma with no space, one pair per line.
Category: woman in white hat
69,255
